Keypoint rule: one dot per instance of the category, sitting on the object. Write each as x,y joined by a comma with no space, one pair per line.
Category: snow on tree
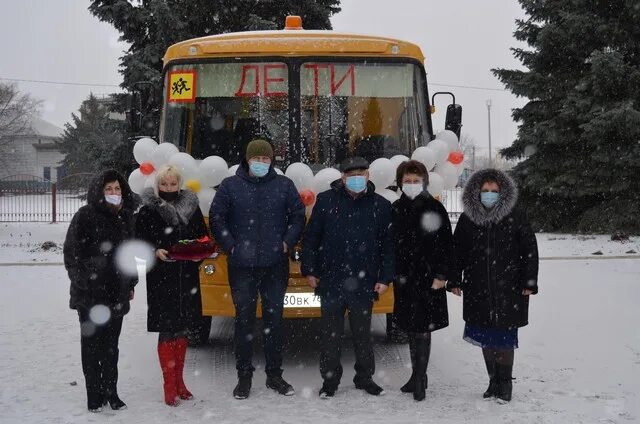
151,26
579,133
94,141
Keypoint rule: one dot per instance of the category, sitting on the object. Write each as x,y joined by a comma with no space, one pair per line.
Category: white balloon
136,181
390,195
150,180
278,171
162,154
186,165
397,160
450,138
382,173
205,196
323,179
441,148
426,155
300,174
449,174
460,168
143,149
436,184
213,170
232,170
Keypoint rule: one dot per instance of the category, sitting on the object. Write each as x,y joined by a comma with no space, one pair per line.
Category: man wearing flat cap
257,216
348,258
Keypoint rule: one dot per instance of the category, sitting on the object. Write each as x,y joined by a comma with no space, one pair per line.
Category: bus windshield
317,112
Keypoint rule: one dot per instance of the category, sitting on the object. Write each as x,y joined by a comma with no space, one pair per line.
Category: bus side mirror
453,121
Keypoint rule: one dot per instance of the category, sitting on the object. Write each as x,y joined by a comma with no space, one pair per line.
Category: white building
34,152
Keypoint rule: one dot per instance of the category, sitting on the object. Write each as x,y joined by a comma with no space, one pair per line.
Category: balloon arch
441,156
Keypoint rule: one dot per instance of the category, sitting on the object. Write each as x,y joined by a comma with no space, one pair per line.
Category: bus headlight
209,269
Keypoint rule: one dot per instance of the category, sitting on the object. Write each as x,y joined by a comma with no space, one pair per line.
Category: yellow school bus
318,96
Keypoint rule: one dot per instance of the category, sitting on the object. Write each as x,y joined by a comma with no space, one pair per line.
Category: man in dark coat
496,267
257,217
99,291
348,257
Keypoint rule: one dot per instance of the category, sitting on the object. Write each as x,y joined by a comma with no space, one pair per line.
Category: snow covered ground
579,360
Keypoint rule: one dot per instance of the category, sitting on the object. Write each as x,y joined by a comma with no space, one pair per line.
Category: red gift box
196,249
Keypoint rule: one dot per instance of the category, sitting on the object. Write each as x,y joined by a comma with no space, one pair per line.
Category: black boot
505,384
423,350
490,362
408,387
116,403
243,388
94,401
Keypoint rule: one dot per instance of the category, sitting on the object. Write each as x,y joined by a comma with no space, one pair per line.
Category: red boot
180,353
167,356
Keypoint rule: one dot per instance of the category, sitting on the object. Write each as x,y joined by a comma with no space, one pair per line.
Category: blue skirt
491,338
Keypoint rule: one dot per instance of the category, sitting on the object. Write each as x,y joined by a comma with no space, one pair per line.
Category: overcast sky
462,40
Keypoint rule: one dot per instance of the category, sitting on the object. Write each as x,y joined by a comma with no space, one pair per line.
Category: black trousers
99,351
333,312
271,284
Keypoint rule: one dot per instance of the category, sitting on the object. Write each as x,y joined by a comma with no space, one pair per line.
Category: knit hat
259,147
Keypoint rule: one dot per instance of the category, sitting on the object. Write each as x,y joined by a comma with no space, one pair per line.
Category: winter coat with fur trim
94,234
173,288
496,256
424,245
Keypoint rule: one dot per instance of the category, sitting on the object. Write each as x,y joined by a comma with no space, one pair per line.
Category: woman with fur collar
496,268
170,214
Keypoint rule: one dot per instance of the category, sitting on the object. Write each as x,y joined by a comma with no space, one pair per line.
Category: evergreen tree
151,26
579,133
94,142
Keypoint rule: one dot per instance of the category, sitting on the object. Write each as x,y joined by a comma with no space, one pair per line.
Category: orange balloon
456,157
146,168
308,197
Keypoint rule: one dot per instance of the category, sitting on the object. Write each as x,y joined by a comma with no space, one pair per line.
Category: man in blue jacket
348,257
257,217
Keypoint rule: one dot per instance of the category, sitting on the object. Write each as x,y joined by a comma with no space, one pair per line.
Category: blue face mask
356,183
259,169
489,198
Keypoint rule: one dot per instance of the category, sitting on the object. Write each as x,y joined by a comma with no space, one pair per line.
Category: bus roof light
293,22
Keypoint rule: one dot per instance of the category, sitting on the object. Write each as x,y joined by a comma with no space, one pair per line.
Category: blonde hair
164,172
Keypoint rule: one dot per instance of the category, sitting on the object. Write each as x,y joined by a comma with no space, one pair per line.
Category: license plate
301,300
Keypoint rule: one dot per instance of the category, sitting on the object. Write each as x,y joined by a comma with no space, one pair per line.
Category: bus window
367,109
218,108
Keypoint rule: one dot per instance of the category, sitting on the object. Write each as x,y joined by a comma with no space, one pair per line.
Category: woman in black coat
496,268
423,249
99,291
170,214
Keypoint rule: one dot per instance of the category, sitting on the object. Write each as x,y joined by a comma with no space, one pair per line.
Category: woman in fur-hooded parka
496,270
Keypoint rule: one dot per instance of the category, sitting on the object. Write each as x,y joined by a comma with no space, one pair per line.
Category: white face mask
412,190
113,199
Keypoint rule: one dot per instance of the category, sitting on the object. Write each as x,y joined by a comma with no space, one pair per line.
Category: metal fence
28,198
